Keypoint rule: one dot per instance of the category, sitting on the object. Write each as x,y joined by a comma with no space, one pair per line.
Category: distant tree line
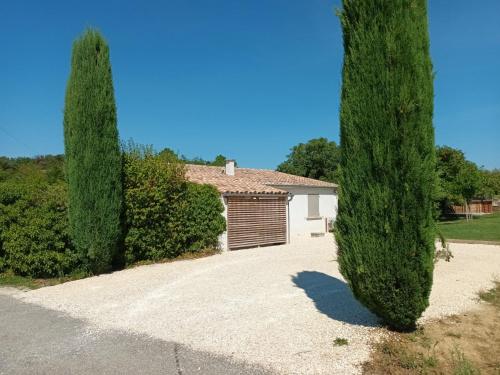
459,180
50,167
168,153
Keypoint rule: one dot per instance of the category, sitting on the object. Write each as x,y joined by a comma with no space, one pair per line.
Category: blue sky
248,79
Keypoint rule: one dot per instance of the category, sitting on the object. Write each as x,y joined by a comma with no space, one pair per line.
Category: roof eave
232,193
332,186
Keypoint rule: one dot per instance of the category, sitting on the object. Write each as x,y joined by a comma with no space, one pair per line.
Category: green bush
203,221
165,215
153,191
34,238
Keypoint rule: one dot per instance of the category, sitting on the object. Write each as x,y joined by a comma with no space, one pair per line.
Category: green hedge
34,239
153,190
203,222
165,215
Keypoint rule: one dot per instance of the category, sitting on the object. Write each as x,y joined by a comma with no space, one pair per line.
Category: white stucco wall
300,224
223,236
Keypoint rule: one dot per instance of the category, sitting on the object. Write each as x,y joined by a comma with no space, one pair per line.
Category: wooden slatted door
255,221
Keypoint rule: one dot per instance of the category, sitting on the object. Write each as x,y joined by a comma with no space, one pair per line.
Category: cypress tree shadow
333,298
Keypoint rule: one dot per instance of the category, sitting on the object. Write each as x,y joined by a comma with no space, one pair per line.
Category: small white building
264,207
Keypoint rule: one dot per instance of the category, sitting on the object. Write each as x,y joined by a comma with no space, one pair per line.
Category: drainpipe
290,197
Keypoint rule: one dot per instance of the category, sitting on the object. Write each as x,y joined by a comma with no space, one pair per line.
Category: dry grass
466,344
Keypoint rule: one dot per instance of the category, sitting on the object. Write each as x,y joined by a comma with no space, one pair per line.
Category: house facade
265,207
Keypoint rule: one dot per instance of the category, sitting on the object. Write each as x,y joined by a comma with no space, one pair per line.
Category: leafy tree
385,228
449,164
167,154
318,158
469,183
93,159
460,180
490,183
219,161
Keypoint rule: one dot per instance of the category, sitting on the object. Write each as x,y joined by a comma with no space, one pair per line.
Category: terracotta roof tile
248,181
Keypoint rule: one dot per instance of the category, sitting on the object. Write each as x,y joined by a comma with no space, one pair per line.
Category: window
313,206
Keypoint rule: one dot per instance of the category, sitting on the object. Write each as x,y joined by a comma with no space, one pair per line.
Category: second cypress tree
385,228
93,159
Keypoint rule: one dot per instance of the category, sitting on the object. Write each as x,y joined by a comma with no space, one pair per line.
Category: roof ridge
255,179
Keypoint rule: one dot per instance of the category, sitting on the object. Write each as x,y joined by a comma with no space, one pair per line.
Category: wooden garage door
255,221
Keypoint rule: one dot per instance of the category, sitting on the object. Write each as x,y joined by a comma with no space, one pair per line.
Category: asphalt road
34,340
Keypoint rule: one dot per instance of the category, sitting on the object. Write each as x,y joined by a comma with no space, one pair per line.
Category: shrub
34,239
165,215
340,341
385,228
203,221
153,192
93,154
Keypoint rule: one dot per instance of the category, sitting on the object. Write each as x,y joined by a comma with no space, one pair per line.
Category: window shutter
313,205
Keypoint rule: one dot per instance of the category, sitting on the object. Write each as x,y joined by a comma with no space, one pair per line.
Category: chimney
230,167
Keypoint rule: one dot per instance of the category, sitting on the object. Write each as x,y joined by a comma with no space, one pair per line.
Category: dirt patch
461,344
190,255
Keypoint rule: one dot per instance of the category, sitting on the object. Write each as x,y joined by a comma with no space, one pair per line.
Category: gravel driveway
278,307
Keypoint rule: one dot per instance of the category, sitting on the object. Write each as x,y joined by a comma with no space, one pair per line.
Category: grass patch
480,228
438,348
492,296
8,279
393,355
340,341
461,365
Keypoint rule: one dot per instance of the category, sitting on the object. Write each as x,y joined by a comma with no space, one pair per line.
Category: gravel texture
39,341
279,307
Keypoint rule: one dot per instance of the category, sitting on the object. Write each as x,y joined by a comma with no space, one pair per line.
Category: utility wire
19,141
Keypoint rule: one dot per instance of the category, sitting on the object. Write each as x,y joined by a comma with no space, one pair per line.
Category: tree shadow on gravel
333,298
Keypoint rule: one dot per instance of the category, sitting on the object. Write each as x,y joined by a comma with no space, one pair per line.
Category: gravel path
38,341
280,307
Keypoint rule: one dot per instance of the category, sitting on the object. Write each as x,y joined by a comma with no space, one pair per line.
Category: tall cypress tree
93,160
385,229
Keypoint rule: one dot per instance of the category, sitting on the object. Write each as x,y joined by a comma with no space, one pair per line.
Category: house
265,207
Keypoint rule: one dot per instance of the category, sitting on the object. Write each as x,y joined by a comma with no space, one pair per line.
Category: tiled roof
249,181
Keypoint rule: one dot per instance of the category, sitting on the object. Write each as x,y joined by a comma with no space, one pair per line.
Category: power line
20,142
